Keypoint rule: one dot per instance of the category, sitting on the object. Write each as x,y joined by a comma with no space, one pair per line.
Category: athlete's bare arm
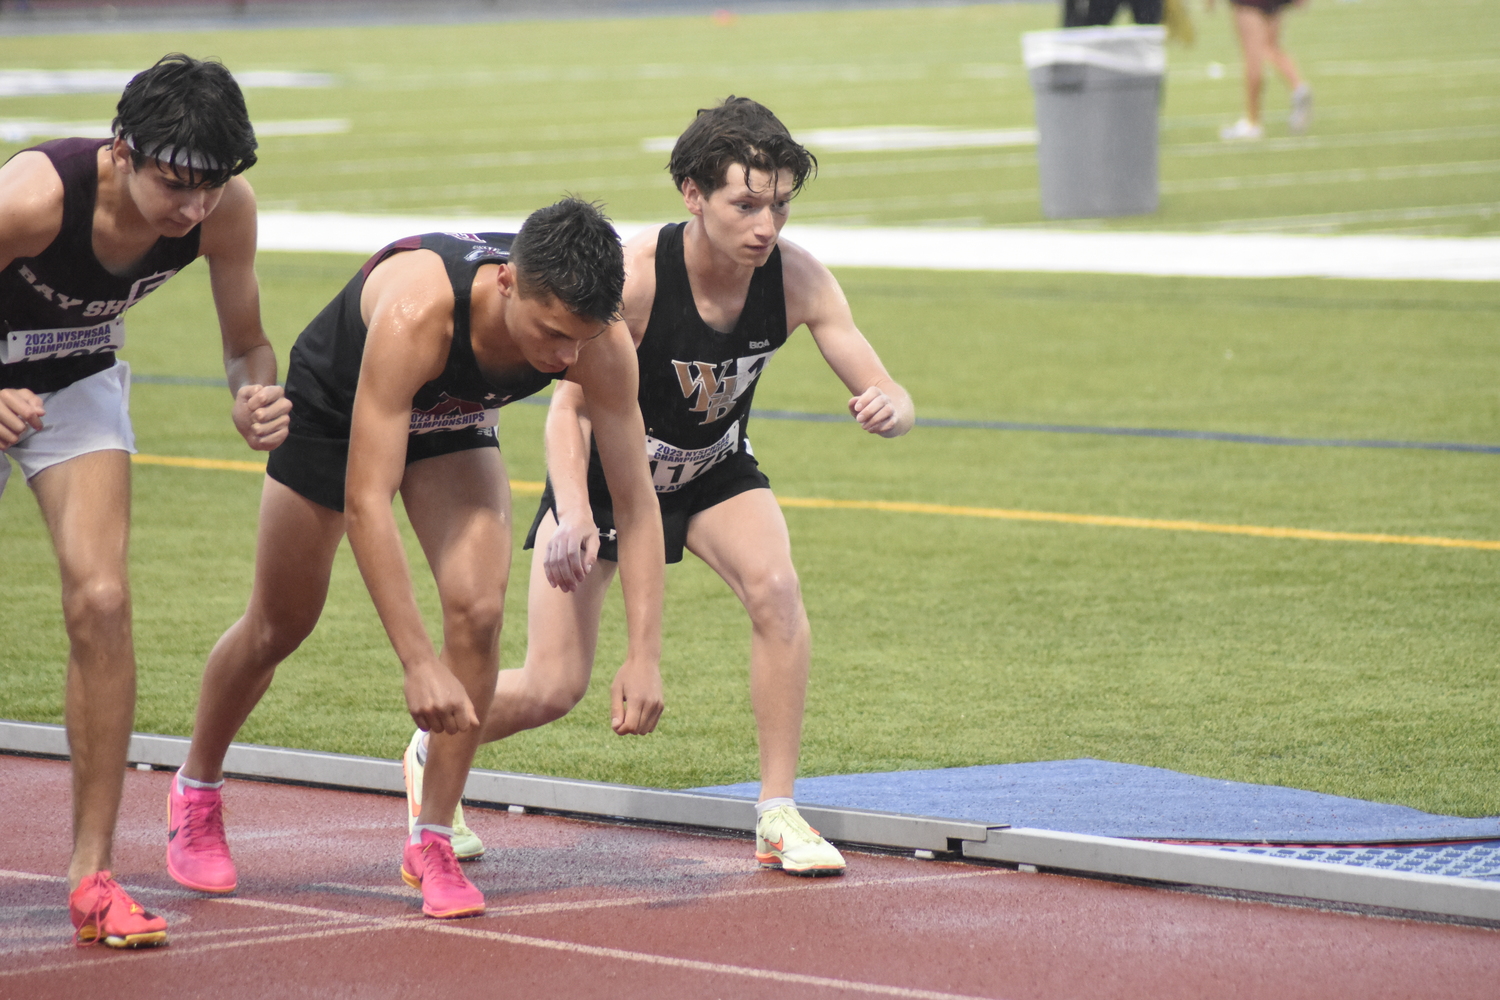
574,546
571,551
813,297
261,409
408,305
606,373
31,200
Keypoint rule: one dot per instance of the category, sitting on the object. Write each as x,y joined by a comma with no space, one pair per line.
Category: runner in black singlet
396,385
90,228
699,410
708,302
455,411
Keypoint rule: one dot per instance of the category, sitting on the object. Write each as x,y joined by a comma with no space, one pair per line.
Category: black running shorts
737,474
314,467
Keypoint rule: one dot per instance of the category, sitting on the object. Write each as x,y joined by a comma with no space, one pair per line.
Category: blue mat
1481,861
1128,800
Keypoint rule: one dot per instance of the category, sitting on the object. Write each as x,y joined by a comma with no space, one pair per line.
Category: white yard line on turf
25,129
43,82
1205,255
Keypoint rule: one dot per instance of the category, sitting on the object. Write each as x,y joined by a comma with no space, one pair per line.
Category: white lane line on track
31,876
374,925
530,909
695,965
343,923
175,947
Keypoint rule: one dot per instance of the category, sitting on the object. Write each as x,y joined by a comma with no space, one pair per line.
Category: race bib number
673,468
34,345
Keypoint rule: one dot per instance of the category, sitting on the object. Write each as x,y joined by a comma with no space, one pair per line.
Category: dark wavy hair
184,105
570,252
737,131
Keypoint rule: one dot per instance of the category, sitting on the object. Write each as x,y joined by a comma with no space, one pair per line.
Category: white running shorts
92,414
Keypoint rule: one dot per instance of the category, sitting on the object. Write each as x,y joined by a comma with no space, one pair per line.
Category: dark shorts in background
314,467
737,474
1269,6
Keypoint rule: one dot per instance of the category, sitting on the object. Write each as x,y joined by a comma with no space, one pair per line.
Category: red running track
580,909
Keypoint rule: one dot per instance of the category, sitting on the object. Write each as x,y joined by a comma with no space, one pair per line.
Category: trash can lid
1138,48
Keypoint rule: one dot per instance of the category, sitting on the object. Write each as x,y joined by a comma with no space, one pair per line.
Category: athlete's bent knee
97,607
554,700
774,601
477,617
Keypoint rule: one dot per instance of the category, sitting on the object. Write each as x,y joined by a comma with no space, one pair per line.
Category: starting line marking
529,488
1308,880
695,965
341,923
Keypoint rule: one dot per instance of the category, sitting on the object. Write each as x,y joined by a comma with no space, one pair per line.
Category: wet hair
188,114
737,131
570,252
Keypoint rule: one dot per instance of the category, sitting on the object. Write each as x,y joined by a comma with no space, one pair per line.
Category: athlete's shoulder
807,284
31,205
231,226
414,284
799,264
640,280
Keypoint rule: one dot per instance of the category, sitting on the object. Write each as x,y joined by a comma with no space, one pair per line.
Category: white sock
446,832
422,751
766,805
183,781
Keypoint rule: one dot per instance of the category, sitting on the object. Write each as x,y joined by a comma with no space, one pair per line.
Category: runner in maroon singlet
88,227
397,385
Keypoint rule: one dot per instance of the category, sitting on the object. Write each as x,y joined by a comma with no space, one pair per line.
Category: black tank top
323,371
63,297
697,384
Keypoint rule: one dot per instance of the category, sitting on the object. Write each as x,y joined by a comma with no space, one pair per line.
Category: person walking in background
1258,23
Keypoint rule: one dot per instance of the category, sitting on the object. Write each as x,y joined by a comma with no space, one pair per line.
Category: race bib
673,468
34,345
426,422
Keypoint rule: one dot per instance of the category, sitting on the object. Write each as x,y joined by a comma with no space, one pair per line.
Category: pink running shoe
197,853
446,890
102,911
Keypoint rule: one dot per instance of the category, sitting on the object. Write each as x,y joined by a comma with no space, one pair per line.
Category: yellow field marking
997,513
1109,521
231,465
198,463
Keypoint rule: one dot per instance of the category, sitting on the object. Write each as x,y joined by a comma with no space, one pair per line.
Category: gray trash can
1098,92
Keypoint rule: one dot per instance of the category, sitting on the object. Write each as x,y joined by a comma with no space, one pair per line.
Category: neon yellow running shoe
466,843
784,840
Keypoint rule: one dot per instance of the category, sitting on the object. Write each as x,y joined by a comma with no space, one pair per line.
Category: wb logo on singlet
714,389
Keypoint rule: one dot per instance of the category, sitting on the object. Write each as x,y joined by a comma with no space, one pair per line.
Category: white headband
178,157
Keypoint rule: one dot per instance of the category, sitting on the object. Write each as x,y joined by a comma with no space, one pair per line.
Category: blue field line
1010,425
1156,432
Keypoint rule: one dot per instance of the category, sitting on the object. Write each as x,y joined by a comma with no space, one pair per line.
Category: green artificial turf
504,117
1359,669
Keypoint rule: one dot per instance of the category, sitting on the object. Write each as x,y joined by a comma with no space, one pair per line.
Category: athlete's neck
494,347
720,283
122,236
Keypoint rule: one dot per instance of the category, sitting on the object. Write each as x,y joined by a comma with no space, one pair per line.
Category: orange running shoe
102,911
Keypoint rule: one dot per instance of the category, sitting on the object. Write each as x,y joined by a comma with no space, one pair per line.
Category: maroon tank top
56,308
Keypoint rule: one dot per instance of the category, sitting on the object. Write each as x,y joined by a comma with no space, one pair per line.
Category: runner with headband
89,227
